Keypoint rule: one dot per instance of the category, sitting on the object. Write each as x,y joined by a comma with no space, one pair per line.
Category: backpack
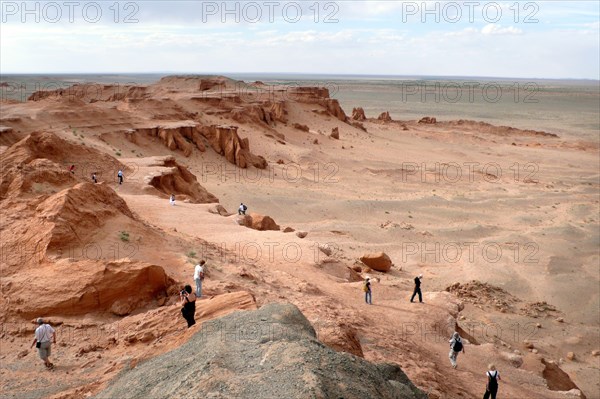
492,381
365,287
245,208
458,346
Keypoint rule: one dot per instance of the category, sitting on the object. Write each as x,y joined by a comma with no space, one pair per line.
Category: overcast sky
553,39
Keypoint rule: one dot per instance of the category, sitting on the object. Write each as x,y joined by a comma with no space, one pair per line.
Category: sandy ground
517,212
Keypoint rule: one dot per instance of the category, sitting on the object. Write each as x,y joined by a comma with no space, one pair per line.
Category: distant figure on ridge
44,337
172,199
72,169
417,289
94,178
491,388
120,176
242,209
199,277
188,305
456,346
367,291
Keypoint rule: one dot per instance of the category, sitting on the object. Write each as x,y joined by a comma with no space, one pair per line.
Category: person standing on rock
199,277
120,176
72,169
188,305
491,388
242,209
417,289
456,346
44,337
172,199
367,290
94,178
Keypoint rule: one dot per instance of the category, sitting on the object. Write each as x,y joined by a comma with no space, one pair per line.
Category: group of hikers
456,343
94,177
188,298
45,335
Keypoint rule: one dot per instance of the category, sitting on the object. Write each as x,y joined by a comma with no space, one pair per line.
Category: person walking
491,388
44,337
456,346
94,178
172,200
367,291
417,289
120,176
199,277
242,209
188,305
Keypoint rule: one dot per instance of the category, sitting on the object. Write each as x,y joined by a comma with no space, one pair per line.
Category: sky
519,39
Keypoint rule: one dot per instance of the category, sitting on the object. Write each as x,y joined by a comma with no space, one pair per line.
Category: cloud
496,29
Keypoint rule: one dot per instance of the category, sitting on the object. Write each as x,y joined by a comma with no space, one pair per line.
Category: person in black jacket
188,305
367,290
417,288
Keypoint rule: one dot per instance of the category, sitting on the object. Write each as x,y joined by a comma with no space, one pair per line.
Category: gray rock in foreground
269,353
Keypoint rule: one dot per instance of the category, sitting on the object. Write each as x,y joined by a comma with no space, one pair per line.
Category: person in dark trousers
72,169
120,176
242,209
94,178
188,305
417,288
368,293
491,388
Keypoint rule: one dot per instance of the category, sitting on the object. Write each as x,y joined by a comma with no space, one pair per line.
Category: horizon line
225,74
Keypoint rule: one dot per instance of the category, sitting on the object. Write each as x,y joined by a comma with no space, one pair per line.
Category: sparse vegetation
75,132
124,236
191,254
118,153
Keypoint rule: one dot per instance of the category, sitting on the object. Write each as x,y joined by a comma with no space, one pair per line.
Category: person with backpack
456,346
120,176
417,289
199,277
242,209
367,291
172,199
491,388
94,178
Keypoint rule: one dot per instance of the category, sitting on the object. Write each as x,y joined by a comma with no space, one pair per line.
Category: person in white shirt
172,199
198,277
44,337
491,388
242,209
120,176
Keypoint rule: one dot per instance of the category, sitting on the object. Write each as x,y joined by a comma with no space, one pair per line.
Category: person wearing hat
417,288
44,337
